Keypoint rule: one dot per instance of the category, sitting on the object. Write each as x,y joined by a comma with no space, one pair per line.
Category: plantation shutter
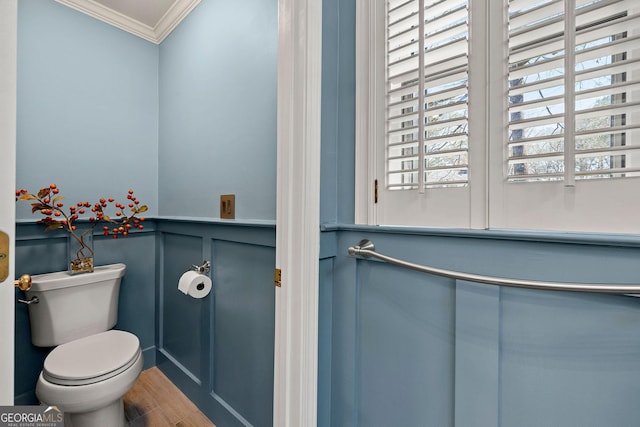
426,94
574,75
531,123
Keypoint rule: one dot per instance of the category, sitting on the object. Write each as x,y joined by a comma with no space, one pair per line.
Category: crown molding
170,20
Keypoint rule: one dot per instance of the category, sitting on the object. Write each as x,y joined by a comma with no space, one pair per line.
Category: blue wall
195,117
218,111
414,349
338,112
219,350
217,85
88,121
87,107
402,348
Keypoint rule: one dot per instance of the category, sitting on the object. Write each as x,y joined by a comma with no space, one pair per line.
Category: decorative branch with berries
50,204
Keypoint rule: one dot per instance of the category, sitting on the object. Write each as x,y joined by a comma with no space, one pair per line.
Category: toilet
91,366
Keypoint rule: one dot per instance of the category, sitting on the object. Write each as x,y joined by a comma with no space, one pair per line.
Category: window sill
598,239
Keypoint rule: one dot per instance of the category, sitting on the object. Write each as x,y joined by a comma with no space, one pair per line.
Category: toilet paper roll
195,284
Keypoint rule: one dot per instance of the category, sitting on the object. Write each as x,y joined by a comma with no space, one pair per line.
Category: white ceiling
152,20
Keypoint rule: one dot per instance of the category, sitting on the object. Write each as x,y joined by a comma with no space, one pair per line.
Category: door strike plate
4,256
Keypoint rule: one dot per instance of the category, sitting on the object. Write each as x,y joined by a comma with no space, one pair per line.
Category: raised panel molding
176,13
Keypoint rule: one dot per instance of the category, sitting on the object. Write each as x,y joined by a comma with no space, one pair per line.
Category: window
426,95
502,114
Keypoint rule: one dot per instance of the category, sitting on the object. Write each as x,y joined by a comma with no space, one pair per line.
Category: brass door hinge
375,191
277,278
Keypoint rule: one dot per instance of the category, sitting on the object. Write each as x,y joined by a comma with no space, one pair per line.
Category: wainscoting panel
414,349
569,359
182,324
406,347
219,349
244,324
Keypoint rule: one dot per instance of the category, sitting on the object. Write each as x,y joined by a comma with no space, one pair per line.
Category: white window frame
468,211
493,201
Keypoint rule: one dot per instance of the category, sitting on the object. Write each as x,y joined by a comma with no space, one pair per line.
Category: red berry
52,186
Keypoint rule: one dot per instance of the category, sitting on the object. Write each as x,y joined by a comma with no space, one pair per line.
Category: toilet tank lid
62,279
95,356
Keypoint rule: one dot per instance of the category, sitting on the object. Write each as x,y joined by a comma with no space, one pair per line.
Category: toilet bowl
87,378
92,365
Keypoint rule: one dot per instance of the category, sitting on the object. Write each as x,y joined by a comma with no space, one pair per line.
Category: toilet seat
91,359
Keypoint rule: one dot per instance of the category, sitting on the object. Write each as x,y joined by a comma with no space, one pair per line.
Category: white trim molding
298,213
365,111
8,76
156,34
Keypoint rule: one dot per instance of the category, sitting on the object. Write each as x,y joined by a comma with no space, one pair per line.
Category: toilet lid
91,359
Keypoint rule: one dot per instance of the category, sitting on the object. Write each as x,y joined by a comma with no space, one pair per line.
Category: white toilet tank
74,306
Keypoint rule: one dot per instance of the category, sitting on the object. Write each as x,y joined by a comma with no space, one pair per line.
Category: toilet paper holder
204,268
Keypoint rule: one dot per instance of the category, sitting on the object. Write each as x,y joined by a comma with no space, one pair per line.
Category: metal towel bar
366,249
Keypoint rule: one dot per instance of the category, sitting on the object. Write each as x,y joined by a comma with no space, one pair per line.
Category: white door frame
298,213
8,48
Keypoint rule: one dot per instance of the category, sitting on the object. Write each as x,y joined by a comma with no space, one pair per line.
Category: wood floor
154,401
